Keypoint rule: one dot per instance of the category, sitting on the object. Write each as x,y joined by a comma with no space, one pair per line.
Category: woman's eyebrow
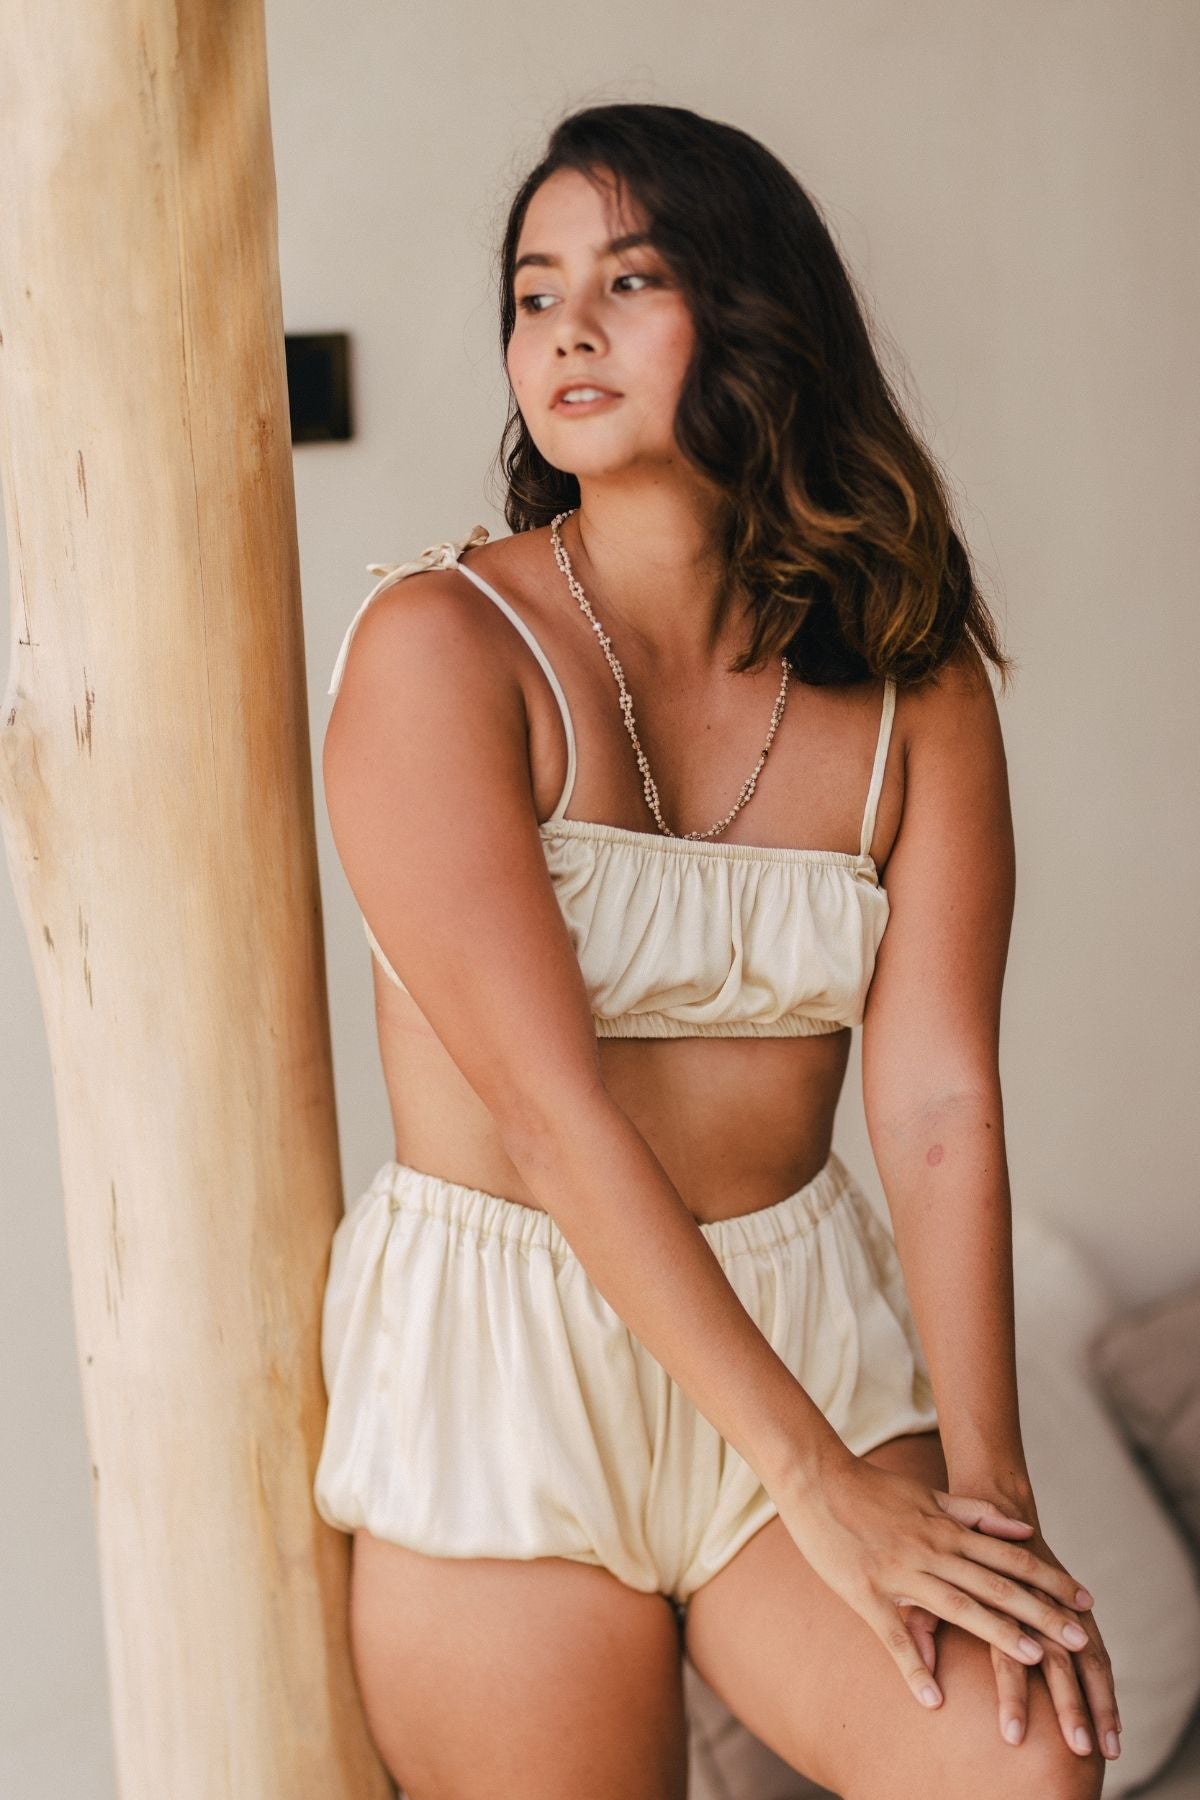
614,247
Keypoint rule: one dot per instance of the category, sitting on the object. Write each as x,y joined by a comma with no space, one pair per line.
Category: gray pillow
1148,1365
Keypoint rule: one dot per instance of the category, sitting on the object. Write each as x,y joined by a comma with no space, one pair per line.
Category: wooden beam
157,808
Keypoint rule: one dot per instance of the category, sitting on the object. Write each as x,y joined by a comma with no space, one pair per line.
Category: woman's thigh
810,1678
487,1678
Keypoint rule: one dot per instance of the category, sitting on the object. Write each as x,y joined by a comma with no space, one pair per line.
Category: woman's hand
885,1542
1080,1680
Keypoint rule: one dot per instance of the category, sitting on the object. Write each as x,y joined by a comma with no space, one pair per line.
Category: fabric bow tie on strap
436,556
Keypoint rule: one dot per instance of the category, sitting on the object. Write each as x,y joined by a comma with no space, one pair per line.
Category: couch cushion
1148,1362
1100,1512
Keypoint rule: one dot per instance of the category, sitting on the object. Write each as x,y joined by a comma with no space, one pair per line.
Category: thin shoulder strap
446,556
881,750
547,669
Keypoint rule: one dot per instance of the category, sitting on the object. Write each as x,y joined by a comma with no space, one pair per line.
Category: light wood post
156,801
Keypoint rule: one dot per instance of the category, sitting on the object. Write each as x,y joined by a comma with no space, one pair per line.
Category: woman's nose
578,330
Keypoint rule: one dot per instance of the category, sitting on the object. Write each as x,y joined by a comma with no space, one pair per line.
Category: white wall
1016,187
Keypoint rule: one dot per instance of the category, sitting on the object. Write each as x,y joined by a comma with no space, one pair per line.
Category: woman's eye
528,302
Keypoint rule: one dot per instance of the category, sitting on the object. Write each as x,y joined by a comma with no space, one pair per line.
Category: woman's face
590,316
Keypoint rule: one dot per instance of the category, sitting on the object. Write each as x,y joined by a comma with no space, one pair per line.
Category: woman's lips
585,406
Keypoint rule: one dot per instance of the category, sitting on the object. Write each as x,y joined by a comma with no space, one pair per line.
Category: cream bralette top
695,937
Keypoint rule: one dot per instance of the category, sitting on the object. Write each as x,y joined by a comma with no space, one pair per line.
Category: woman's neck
653,566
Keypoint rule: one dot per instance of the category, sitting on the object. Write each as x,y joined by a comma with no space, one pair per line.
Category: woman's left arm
930,1065
935,1117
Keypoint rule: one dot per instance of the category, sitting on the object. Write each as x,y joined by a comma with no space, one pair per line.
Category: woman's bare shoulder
425,621
430,801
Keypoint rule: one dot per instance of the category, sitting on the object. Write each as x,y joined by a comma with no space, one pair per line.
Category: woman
620,1359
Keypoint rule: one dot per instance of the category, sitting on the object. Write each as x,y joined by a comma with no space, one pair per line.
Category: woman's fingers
903,1628
923,1624
1012,1686
885,1619
892,1546
1058,1666
987,1582
1093,1668
1064,1673
1021,1564
981,1515
959,1607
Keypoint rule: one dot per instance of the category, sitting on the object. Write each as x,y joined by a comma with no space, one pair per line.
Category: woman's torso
737,1122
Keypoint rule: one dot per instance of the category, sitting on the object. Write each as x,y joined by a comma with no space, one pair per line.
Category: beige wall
1016,187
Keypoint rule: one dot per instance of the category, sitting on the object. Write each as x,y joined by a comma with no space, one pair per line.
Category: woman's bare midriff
737,1123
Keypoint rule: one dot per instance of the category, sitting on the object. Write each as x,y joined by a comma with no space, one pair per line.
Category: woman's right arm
427,783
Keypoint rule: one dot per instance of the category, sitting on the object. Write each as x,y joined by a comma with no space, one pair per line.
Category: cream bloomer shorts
486,1400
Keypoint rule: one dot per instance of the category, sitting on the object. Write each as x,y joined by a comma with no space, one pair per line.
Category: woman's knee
1042,1765
972,1757
958,1747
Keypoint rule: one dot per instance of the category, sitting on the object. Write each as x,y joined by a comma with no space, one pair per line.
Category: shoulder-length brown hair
838,524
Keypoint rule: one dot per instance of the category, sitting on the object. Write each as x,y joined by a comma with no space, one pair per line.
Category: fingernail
1027,1647
1012,1731
1112,1744
1075,1634
929,1695
1083,1599
1082,1740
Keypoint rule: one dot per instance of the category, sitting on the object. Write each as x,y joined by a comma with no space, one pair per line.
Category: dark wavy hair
837,521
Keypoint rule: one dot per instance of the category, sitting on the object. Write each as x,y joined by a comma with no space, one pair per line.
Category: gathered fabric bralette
695,937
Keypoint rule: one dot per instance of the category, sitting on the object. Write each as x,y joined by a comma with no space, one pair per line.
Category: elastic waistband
526,1227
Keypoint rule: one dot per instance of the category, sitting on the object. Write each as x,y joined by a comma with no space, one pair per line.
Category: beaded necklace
649,786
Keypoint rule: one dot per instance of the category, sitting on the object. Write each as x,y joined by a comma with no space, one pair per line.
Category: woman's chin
593,462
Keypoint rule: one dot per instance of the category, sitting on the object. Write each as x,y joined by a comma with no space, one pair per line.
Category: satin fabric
688,939
683,937
486,1400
